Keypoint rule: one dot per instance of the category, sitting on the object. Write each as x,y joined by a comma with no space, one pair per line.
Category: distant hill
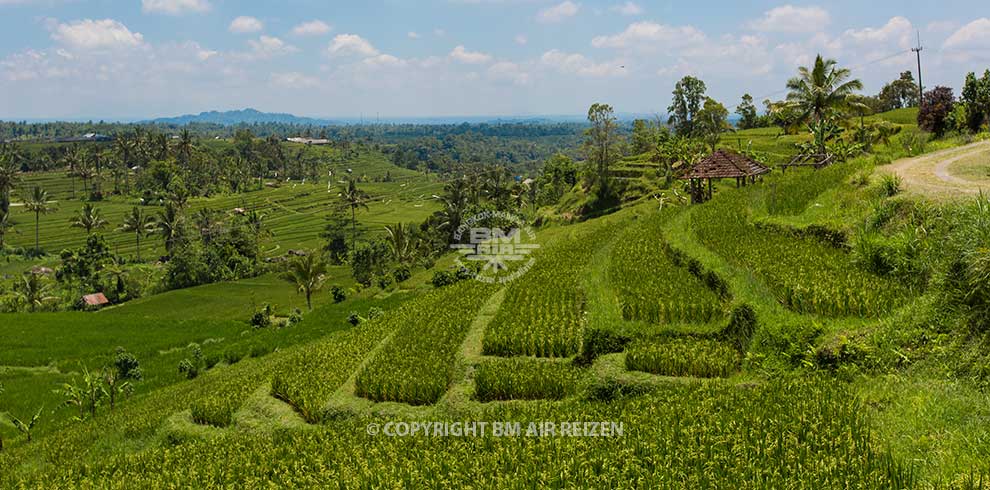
244,116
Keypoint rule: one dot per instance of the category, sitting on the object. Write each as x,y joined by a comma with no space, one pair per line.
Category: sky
132,59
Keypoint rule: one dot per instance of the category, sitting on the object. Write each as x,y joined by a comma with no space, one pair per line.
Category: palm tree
89,219
455,204
169,226
5,226
38,204
184,148
138,223
9,177
354,198
71,160
401,243
821,90
308,273
35,291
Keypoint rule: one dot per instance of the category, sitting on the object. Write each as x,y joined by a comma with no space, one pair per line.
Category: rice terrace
599,245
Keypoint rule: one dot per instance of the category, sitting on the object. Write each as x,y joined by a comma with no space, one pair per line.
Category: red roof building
95,300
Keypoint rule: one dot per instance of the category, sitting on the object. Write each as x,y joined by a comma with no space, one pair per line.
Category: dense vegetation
820,328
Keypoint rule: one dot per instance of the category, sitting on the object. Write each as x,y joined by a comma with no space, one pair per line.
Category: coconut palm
38,204
89,219
34,291
5,226
354,198
308,273
401,243
169,226
9,177
822,89
138,223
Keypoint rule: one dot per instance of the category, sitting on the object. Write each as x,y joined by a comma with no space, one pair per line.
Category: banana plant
26,427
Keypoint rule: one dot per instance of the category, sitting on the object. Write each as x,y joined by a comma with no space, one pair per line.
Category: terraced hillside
295,211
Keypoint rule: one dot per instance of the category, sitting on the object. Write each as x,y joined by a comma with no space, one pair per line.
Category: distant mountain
244,116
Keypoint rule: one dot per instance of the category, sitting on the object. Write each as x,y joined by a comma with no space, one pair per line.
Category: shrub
354,319
375,313
188,368
233,356
890,185
401,274
339,296
443,278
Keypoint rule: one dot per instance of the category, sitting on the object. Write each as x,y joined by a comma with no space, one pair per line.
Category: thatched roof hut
722,164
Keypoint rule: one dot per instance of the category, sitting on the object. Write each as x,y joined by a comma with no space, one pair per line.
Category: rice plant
655,284
525,379
804,274
417,365
542,312
681,356
213,411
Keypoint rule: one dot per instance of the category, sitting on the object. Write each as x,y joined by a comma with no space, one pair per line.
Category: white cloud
941,26
412,35
578,64
974,36
268,47
559,12
294,80
470,57
897,30
96,34
521,40
439,32
175,7
650,36
506,70
789,18
383,60
311,28
245,24
351,44
628,8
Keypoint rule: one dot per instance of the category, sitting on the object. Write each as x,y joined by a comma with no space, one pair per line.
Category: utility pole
917,51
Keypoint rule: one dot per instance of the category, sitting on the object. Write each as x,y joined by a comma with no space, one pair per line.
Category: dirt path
929,174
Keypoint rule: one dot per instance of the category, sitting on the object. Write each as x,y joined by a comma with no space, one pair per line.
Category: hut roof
725,164
98,299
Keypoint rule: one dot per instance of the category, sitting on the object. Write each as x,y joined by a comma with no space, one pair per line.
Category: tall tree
139,223
89,219
5,226
170,226
308,273
689,96
712,121
900,93
38,203
354,198
935,108
601,140
821,90
9,176
747,113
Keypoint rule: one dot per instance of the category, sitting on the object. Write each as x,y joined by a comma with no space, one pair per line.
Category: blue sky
142,58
